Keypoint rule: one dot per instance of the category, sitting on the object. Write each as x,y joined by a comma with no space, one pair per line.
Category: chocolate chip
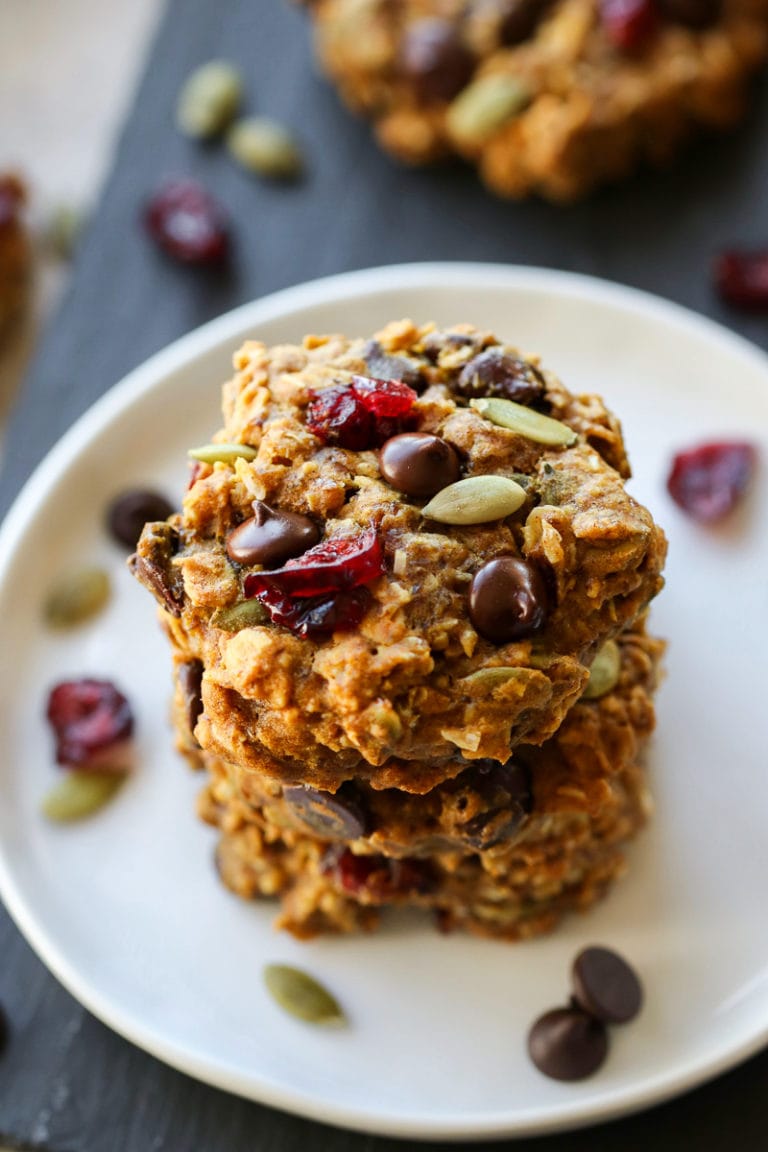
335,816
506,788
190,678
606,986
692,13
498,373
419,464
436,342
435,60
152,566
130,511
518,19
507,600
567,1044
270,537
383,366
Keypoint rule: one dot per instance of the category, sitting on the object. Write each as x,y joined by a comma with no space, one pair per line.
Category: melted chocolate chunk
190,677
151,565
435,60
498,373
507,789
606,986
419,464
383,366
507,600
334,816
567,1044
271,537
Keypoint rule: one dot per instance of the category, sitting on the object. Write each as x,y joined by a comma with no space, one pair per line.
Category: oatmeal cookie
484,809
545,96
427,538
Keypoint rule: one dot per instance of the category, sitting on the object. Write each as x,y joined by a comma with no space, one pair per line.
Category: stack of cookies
406,599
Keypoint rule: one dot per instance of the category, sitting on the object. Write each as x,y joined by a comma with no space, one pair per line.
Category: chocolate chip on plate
567,1044
507,600
336,816
271,537
419,464
606,986
130,511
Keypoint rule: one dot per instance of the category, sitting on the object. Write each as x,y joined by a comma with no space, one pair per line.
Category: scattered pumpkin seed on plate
266,148
209,100
301,995
77,597
81,794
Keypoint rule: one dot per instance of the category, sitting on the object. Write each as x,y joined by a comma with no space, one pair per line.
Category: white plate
126,909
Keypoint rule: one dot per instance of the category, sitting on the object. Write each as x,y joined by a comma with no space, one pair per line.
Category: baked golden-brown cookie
405,559
545,96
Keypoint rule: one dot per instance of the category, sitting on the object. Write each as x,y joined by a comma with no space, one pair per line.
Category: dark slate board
66,1081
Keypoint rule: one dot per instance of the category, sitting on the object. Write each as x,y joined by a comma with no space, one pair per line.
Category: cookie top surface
399,641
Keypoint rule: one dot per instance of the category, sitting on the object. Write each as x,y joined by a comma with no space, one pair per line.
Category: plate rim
130,390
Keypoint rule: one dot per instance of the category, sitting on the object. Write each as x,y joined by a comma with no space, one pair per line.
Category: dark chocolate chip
435,60
130,511
692,13
271,537
518,19
334,816
152,567
606,986
498,373
507,791
382,366
419,464
190,677
507,600
567,1044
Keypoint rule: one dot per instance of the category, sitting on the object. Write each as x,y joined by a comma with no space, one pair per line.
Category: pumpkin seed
77,596
525,421
301,995
485,106
494,677
244,614
209,99
222,453
63,231
266,148
476,500
604,673
81,794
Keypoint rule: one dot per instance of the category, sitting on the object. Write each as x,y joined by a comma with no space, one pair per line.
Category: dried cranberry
359,415
186,222
629,24
707,482
742,279
331,566
91,719
316,615
376,878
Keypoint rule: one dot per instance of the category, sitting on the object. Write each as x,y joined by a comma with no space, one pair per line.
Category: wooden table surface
68,1083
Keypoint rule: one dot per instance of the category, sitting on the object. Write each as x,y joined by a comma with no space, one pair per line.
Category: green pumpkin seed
485,106
495,677
77,596
209,100
81,794
222,453
63,231
266,148
244,614
301,995
604,673
525,421
476,500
